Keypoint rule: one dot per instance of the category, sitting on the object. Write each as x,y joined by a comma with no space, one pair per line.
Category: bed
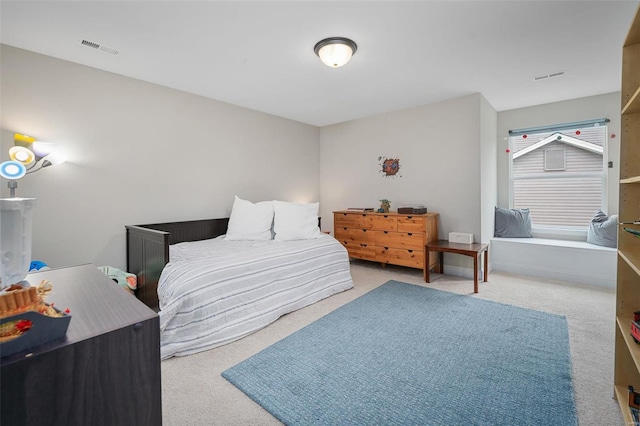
210,291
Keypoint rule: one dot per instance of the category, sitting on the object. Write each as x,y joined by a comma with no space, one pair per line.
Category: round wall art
389,166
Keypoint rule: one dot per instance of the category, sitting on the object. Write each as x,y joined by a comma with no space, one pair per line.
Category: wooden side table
474,250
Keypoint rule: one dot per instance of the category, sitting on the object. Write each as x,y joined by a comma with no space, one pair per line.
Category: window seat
572,261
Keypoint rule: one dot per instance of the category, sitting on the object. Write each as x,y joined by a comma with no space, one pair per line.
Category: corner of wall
488,172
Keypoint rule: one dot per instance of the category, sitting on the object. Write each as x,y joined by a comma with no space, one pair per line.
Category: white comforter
213,292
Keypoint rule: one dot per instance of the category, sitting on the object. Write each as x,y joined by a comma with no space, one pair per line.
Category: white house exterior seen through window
560,176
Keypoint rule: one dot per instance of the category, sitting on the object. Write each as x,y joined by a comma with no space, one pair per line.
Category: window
560,175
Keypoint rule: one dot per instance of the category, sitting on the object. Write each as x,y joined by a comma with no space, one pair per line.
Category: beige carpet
194,393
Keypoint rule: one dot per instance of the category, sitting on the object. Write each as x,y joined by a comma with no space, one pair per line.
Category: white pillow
249,221
295,221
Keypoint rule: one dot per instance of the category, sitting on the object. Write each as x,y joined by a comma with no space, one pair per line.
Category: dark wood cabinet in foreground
106,371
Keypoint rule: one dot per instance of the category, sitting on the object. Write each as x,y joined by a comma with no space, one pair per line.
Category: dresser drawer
402,240
410,258
360,250
411,224
344,220
364,221
341,233
353,220
385,223
361,236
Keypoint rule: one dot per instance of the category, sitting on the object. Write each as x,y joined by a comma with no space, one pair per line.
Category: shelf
633,105
627,351
622,395
629,262
633,36
624,324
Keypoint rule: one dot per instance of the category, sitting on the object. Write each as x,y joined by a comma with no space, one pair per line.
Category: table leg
426,267
475,273
486,265
441,262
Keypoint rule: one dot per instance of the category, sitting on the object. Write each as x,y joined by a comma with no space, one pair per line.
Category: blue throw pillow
512,223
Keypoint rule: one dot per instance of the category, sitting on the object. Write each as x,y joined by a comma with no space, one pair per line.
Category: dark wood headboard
148,250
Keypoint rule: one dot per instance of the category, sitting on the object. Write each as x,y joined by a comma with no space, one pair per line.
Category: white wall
488,171
441,148
600,106
123,137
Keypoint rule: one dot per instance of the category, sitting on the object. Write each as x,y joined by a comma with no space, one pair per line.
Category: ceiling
260,55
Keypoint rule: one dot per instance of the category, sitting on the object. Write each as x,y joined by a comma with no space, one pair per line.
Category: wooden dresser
106,371
388,238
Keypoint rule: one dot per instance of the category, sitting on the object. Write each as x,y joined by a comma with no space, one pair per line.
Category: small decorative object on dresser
388,238
413,209
385,205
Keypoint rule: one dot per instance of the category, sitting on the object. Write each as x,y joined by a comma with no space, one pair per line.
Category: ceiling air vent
100,47
543,77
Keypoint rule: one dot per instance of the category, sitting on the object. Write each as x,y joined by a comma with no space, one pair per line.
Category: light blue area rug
409,355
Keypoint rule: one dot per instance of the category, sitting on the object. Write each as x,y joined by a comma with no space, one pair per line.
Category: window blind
558,127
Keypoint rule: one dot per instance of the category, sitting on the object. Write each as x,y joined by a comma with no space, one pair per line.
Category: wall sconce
27,156
335,51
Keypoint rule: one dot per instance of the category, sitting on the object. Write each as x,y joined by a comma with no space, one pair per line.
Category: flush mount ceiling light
335,51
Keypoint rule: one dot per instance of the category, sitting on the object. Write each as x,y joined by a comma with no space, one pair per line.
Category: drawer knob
409,217
386,248
137,326
410,233
386,232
